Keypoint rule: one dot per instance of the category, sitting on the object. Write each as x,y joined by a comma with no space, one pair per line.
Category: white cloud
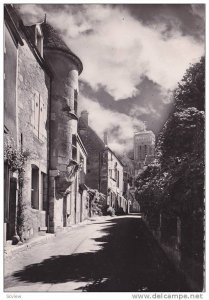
137,111
118,50
120,127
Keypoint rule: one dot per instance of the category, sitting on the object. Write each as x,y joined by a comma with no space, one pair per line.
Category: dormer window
39,39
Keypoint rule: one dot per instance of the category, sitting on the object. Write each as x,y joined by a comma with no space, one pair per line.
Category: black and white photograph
104,149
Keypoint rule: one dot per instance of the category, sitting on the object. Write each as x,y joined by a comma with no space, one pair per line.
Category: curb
12,251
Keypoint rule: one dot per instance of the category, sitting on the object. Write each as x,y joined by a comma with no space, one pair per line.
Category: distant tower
144,148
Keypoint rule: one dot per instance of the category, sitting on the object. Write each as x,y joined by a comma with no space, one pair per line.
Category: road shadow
128,260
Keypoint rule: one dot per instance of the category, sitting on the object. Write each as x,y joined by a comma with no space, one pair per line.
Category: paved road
112,254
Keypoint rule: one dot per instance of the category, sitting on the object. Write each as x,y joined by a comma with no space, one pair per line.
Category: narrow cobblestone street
109,254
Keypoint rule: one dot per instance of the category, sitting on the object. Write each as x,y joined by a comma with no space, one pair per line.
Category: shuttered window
39,116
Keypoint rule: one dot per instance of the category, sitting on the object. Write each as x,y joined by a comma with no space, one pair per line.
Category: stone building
94,146
41,100
112,183
104,169
12,40
144,149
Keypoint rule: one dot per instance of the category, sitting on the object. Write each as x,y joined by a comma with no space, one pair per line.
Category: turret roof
52,40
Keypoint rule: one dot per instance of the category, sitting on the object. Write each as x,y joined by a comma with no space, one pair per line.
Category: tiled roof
92,136
52,40
12,20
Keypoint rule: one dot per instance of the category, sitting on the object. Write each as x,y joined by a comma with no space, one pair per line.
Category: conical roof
52,40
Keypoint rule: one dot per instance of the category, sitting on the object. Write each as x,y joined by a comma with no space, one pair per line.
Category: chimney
105,138
85,116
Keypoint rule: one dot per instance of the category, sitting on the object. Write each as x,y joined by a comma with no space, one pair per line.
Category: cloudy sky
133,57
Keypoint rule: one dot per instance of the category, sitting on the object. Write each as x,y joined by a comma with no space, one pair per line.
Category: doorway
35,187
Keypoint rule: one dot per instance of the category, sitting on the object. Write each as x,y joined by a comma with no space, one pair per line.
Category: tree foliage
14,157
97,203
191,89
174,182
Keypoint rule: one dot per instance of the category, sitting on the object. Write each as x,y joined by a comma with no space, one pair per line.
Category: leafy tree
191,89
174,183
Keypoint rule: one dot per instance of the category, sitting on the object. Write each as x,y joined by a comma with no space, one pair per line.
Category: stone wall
172,245
94,147
10,69
85,203
32,98
112,180
10,130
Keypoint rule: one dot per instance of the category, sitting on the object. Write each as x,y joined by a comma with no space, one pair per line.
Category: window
39,116
139,151
110,172
116,174
116,171
145,149
35,187
40,44
43,192
118,179
75,101
39,40
74,147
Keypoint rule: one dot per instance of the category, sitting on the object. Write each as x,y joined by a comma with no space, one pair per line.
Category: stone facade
11,41
104,169
94,146
33,85
41,99
115,183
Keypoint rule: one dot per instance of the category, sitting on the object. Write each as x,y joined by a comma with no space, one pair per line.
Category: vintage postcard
104,149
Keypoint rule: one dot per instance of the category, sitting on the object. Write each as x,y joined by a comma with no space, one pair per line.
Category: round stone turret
66,67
